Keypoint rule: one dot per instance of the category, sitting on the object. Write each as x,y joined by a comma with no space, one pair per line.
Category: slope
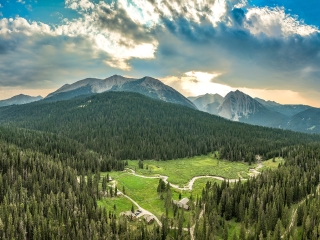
238,106
147,86
19,99
208,102
287,109
124,125
306,121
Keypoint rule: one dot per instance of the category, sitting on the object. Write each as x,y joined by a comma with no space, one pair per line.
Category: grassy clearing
142,190
122,204
181,171
272,165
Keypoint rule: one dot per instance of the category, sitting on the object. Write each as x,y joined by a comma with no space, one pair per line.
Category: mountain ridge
238,106
207,102
19,99
147,86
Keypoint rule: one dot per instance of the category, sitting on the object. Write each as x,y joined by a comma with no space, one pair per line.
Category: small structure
119,193
129,215
148,218
183,203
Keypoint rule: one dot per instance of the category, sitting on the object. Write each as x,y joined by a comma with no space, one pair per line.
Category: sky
265,48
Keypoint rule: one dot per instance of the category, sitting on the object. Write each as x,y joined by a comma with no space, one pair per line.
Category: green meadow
116,204
142,190
272,164
181,171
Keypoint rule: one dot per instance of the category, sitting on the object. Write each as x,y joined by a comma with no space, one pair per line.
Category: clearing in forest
181,171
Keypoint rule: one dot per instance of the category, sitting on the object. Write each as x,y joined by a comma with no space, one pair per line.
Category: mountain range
18,100
147,86
240,107
235,106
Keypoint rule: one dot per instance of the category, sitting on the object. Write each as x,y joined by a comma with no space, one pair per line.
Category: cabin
183,203
148,218
129,215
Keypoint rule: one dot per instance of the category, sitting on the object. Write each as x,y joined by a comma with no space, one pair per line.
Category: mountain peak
148,86
115,76
238,105
18,100
238,92
208,102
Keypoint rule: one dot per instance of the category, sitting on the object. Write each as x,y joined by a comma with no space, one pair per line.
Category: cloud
250,47
272,51
196,83
83,5
274,22
21,1
88,46
34,55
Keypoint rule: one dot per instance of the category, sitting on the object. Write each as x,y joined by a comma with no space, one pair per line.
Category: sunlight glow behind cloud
195,83
228,44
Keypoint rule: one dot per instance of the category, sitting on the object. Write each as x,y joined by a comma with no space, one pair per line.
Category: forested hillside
132,126
69,151
41,198
265,205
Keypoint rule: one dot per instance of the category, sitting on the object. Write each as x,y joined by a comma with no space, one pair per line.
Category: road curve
143,211
187,187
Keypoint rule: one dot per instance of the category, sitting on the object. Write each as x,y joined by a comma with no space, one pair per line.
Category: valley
141,189
193,175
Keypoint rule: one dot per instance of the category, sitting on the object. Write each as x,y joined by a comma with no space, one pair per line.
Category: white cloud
21,1
241,4
195,83
21,25
79,4
274,22
88,26
146,13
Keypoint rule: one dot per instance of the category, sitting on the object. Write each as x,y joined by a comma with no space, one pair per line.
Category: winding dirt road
189,185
